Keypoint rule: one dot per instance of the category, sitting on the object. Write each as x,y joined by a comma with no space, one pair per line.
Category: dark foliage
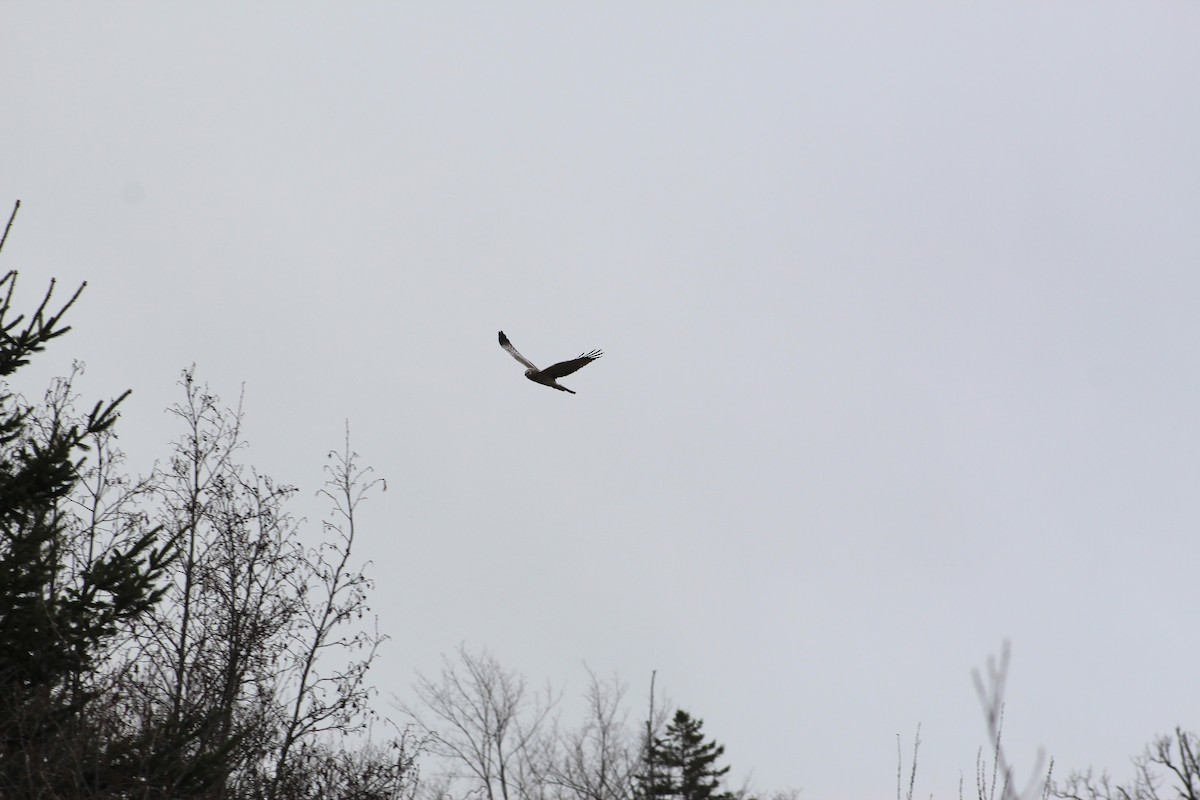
56,612
681,764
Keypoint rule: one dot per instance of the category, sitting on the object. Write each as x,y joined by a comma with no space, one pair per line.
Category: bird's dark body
538,377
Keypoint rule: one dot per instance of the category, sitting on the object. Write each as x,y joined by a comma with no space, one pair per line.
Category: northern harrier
550,375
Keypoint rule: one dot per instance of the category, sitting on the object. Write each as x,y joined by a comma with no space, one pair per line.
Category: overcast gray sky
899,304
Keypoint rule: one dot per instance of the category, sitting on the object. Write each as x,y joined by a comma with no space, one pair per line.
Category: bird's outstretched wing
512,351
567,367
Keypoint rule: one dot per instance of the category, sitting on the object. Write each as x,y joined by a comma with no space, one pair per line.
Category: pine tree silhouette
681,764
54,617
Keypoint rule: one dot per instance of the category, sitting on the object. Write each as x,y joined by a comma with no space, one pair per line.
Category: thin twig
8,227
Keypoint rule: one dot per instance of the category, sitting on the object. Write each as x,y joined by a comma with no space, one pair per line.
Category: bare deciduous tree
597,760
326,683
262,647
210,680
990,690
1172,761
485,725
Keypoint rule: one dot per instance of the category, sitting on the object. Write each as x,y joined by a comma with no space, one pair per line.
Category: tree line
174,636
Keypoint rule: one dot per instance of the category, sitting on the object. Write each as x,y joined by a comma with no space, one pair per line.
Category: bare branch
8,227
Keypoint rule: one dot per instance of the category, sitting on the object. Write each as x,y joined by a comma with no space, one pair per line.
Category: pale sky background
900,305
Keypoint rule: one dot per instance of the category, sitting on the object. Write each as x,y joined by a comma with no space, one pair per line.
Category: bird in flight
550,375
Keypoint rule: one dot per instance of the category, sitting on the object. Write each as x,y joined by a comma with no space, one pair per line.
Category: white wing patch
512,351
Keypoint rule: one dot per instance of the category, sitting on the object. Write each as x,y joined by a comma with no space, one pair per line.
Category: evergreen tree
55,616
682,764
